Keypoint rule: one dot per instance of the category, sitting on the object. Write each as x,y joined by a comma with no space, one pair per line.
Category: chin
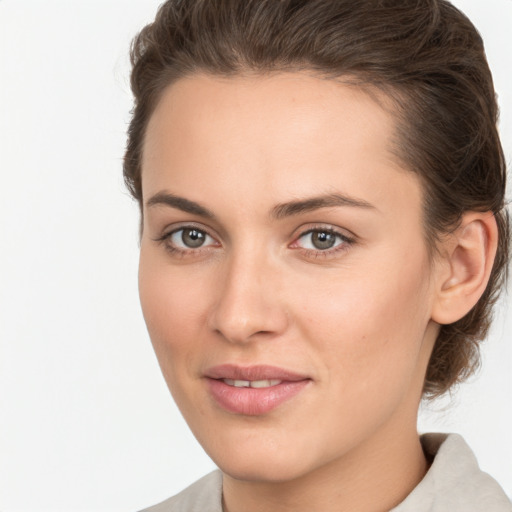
269,470
259,460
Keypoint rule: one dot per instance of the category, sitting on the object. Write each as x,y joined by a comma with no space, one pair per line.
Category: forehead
294,104
284,134
297,100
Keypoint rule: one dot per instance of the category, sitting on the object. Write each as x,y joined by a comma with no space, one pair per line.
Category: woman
323,236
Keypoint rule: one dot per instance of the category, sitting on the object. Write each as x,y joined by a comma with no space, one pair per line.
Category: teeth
264,383
252,383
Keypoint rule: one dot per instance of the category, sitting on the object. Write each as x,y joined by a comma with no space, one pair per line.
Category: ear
465,266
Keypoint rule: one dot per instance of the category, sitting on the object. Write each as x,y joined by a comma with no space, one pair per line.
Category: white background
86,422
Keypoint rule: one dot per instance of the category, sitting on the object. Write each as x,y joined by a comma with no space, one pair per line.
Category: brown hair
423,54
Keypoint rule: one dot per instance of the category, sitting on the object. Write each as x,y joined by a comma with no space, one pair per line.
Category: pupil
323,239
192,238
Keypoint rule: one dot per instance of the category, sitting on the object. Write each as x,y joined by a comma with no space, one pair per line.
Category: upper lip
252,373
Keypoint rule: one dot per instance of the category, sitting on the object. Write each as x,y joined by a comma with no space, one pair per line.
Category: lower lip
254,401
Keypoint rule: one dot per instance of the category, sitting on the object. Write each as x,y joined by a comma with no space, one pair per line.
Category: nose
248,304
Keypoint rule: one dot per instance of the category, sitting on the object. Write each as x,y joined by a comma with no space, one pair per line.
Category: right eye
188,238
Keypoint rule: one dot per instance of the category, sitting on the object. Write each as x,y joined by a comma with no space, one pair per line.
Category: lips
253,390
257,372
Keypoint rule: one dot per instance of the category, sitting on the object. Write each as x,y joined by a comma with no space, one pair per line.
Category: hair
425,55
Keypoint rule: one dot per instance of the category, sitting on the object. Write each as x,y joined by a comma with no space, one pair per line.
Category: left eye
190,238
320,240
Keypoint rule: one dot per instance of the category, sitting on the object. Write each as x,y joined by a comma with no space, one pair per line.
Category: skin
358,319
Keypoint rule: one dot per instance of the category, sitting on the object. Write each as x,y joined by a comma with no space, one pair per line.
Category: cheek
369,325
173,307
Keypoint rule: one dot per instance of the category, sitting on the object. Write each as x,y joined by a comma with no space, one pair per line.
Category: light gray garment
454,483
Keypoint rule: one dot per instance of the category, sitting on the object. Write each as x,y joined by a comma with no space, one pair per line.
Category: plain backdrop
86,421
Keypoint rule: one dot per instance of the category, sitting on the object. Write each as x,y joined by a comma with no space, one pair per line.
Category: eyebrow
279,211
167,199
314,203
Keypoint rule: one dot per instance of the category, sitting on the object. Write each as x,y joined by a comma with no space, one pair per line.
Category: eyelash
176,251
345,244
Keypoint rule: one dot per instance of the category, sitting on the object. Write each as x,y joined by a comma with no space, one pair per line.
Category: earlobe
467,263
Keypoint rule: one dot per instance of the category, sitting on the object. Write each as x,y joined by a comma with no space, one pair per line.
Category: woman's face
284,277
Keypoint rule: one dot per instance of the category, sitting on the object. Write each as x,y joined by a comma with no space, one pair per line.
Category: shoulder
205,495
454,481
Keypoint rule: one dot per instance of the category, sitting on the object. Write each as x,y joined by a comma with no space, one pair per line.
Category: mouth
253,373
253,390
258,384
